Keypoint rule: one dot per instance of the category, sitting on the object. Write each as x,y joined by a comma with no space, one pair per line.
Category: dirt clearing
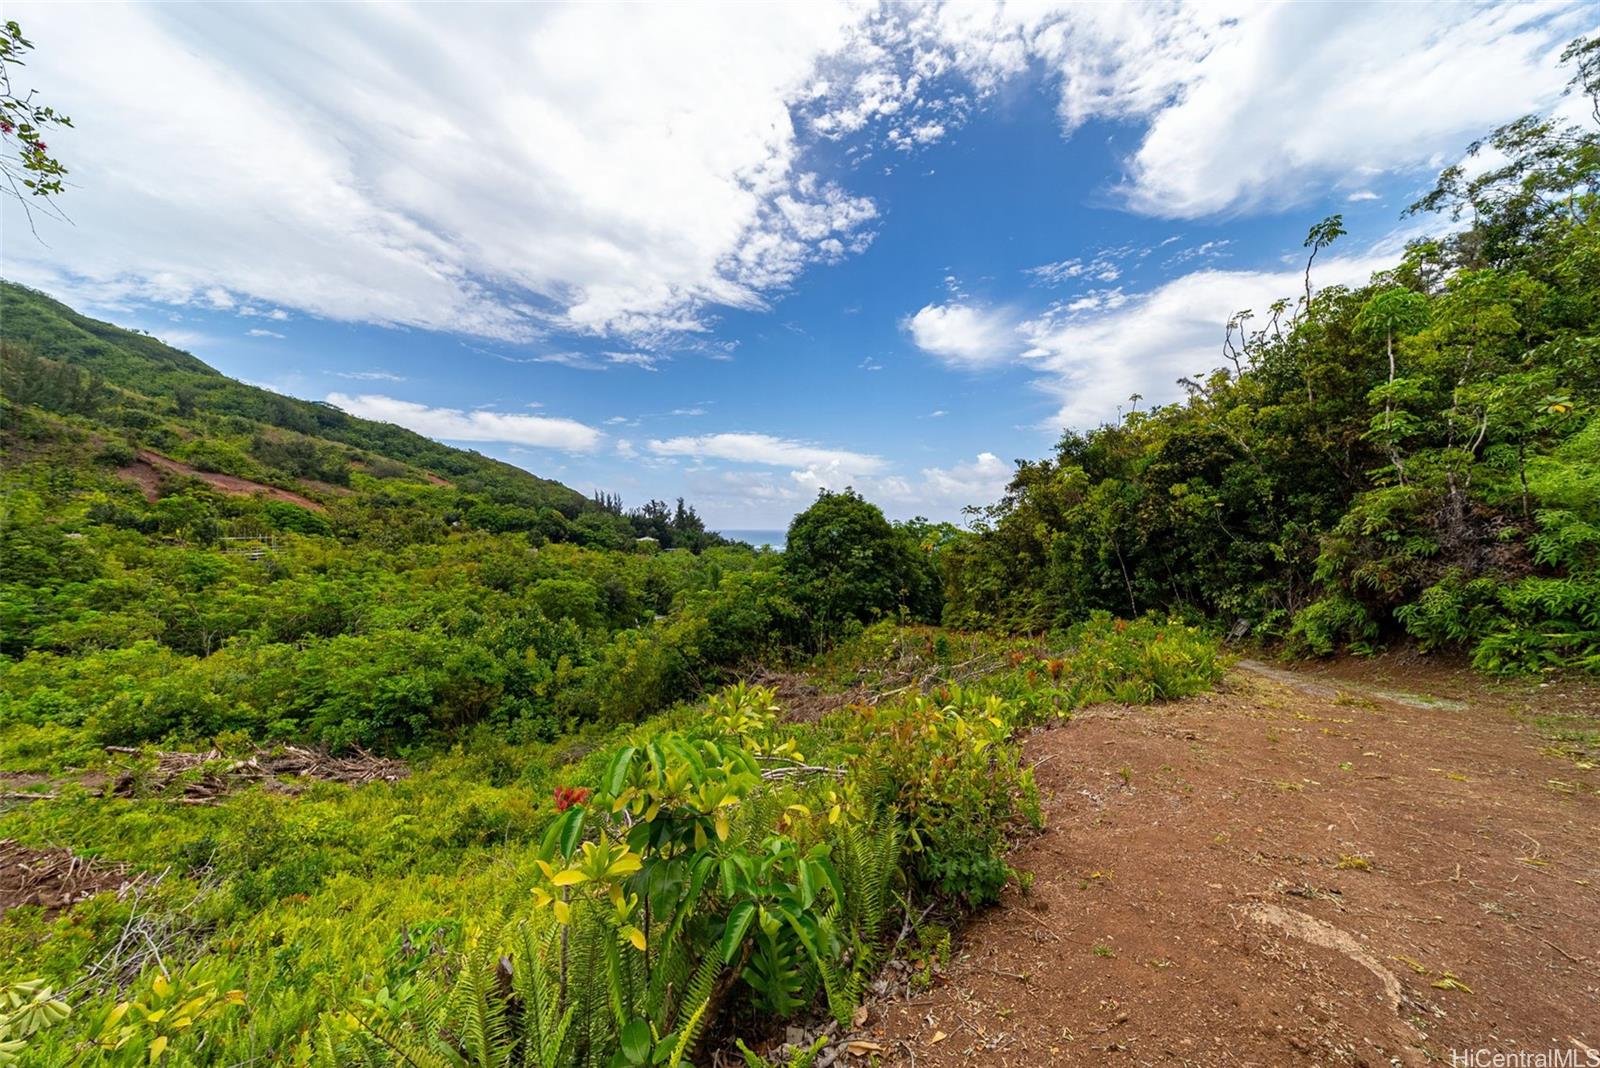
53,878
146,473
1363,866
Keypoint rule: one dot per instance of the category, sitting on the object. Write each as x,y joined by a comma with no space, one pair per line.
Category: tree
1318,238
1396,310
848,562
31,172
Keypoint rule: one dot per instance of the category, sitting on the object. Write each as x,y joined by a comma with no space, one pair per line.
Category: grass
307,903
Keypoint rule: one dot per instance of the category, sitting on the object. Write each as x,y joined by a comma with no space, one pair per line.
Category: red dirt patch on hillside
146,472
147,478
53,878
332,489
1328,870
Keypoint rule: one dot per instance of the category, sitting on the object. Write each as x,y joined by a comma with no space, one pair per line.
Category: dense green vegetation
405,591
727,866
592,861
1419,456
190,562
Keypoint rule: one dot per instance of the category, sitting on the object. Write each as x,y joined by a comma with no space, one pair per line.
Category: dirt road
1295,870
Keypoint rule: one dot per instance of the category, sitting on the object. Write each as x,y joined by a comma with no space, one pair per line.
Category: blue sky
736,253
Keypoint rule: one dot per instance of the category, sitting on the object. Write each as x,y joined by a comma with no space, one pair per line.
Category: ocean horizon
775,539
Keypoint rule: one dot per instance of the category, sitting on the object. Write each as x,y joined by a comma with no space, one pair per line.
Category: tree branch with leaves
32,174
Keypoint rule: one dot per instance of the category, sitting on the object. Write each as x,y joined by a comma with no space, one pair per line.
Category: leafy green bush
1332,623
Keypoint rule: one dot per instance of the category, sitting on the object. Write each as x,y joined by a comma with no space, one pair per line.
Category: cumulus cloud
767,450
743,494
592,168
979,482
1244,104
628,170
964,335
453,424
1092,363
1318,100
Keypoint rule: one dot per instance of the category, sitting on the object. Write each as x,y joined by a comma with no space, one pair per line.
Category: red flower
567,796
40,146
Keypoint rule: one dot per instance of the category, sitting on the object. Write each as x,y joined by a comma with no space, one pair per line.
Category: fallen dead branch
212,774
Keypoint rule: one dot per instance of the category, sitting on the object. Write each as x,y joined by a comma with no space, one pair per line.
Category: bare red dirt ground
146,472
1299,869
52,878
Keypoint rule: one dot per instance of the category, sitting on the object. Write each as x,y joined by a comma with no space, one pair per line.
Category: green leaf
738,926
617,773
572,833
831,874
636,1043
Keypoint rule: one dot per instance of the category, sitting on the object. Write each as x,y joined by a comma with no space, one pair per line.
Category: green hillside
325,744
184,555
132,383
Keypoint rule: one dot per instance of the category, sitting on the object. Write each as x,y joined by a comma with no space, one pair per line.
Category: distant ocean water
758,538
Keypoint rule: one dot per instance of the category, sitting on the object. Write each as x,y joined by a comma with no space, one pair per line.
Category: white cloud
979,482
577,360
1362,194
627,170
259,332
964,335
179,337
1100,268
1093,362
689,412
1096,300
1244,104
646,360
1263,120
371,376
939,491
453,424
752,495
1206,250
499,171
767,450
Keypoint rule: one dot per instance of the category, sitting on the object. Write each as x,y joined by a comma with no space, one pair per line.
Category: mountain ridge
37,326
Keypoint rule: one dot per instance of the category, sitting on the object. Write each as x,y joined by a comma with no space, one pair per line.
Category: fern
696,1001
545,1022
474,1018
800,1058
669,970
869,858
